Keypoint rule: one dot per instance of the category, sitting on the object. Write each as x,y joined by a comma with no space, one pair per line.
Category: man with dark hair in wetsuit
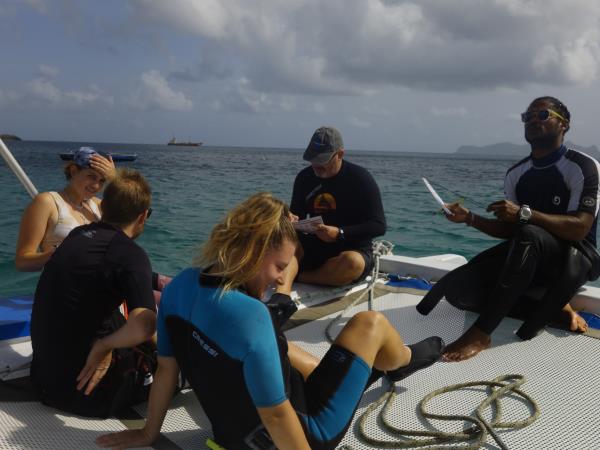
345,195
549,221
87,359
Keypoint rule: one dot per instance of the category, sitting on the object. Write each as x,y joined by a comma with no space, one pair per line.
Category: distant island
514,151
10,137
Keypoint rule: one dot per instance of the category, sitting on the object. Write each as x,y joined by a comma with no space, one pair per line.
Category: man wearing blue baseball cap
346,197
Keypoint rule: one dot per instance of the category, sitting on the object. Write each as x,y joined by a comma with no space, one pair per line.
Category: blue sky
425,75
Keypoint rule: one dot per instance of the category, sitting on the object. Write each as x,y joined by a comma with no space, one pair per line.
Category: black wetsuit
77,301
563,182
349,200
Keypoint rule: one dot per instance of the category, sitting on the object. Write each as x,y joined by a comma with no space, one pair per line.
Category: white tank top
66,221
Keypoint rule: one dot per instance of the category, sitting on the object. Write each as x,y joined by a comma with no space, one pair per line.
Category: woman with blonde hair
258,390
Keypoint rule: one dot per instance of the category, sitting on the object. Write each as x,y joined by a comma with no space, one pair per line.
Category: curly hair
558,106
237,245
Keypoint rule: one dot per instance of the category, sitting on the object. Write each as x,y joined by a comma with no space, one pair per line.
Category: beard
546,140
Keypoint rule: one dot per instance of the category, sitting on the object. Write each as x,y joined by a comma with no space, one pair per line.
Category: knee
353,263
576,270
529,233
368,321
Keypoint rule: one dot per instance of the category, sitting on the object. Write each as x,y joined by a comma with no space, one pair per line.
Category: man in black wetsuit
549,222
87,359
347,198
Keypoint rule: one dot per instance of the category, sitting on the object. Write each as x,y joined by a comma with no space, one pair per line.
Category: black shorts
332,393
317,252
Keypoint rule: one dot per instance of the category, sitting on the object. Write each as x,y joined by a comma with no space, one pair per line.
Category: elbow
580,232
22,266
143,326
149,328
380,229
19,265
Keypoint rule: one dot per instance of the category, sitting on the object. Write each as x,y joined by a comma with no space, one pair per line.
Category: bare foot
467,346
574,321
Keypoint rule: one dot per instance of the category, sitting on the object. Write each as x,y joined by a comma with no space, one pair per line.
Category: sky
426,75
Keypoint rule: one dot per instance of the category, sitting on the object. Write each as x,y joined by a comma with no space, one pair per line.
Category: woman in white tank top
51,216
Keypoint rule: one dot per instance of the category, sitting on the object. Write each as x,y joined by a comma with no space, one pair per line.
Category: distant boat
115,156
185,144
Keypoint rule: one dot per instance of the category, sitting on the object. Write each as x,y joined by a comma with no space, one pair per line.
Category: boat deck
561,370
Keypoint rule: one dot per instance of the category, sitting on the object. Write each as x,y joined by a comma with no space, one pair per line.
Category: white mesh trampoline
561,370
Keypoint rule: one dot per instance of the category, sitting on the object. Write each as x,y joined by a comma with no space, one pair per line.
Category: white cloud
45,90
354,47
155,92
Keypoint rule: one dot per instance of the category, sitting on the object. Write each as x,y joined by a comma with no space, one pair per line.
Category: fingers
88,377
115,440
495,205
95,379
105,166
124,439
84,376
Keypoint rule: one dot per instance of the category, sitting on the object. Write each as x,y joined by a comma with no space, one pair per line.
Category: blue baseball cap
82,156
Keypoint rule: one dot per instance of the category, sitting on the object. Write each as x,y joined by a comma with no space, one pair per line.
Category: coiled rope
497,388
475,436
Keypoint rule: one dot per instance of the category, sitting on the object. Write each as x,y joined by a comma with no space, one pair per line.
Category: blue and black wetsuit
235,357
564,182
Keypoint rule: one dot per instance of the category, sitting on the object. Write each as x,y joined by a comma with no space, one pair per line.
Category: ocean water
193,187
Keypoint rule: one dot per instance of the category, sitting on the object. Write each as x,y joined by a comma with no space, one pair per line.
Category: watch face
525,213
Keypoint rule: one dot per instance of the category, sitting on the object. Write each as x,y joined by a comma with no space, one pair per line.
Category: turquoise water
193,187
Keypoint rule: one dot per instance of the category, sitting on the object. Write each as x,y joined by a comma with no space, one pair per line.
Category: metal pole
17,170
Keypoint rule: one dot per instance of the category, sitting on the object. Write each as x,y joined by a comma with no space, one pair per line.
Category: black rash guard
349,200
83,284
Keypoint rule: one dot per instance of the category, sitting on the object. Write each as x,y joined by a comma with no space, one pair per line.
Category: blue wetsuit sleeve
262,364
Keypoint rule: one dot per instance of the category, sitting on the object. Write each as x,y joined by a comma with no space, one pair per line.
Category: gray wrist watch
525,214
341,237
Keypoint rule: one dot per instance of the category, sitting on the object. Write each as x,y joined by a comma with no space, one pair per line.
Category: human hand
126,439
504,210
460,214
96,366
327,233
104,166
293,217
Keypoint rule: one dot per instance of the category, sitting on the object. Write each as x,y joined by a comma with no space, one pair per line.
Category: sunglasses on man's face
149,213
542,115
